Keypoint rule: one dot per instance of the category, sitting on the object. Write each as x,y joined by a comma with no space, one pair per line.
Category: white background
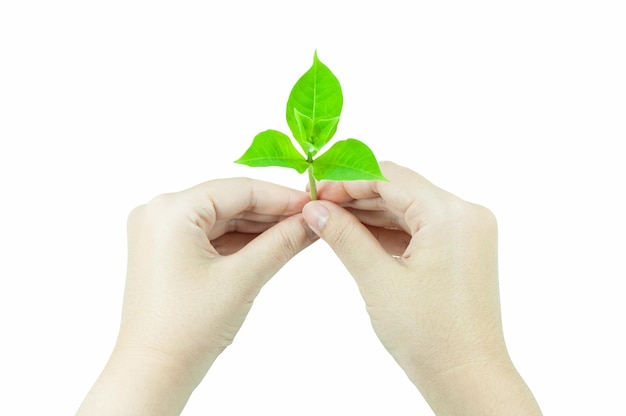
519,106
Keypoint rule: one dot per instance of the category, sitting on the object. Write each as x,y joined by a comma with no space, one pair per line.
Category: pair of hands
426,266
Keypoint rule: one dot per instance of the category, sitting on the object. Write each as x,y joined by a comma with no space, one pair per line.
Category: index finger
404,187
224,199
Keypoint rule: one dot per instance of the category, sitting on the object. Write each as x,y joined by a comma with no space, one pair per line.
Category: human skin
196,261
425,262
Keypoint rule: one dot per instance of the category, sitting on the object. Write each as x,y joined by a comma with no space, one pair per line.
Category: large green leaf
347,160
273,148
314,107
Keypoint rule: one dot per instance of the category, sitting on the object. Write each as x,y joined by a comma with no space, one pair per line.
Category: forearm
479,389
139,384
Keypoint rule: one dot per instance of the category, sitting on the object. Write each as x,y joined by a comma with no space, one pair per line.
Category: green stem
312,185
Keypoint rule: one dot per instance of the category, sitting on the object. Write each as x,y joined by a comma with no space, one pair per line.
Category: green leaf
324,130
347,160
273,148
305,127
314,107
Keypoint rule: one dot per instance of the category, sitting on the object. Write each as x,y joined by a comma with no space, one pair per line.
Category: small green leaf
347,160
305,127
324,130
313,110
273,148
314,107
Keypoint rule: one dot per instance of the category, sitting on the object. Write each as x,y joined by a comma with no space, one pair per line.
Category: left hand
196,261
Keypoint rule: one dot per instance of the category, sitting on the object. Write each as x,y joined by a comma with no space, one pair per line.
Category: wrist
485,387
140,382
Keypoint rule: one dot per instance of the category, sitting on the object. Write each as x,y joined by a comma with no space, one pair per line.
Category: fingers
395,242
264,255
356,247
258,222
377,192
243,226
223,199
406,199
381,219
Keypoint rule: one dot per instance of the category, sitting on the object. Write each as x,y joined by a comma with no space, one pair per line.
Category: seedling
313,111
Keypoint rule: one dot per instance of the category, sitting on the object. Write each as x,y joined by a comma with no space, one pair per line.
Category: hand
425,263
196,261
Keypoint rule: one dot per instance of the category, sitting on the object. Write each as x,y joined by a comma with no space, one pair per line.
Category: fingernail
309,232
316,215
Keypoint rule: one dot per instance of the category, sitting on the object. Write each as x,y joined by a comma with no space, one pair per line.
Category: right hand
425,262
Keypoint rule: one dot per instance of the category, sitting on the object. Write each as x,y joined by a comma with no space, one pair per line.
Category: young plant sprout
313,111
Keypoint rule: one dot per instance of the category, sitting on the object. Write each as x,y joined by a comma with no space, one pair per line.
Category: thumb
272,249
355,246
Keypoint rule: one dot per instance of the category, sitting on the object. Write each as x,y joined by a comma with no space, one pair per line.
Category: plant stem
312,186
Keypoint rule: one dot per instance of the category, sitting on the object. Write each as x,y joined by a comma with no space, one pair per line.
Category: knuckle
486,217
288,245
157,207
135,214
474,216
161,201
341,239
